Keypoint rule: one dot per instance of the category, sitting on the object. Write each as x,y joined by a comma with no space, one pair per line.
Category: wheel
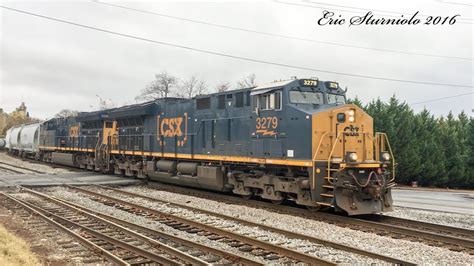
247,197
277,202
313,208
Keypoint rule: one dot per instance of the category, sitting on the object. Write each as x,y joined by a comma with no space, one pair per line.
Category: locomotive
292,140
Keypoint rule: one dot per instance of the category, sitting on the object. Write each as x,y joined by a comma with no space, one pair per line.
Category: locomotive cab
351,168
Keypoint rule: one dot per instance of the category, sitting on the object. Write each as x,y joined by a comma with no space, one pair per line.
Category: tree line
433,151
168,85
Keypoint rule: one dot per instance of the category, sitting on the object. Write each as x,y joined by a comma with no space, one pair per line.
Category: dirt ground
14,250
44,252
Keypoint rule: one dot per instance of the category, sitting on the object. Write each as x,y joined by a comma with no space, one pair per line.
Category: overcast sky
53,66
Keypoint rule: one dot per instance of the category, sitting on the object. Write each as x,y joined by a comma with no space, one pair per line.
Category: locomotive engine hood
348,123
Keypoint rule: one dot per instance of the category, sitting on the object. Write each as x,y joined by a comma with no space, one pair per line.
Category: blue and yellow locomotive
287,140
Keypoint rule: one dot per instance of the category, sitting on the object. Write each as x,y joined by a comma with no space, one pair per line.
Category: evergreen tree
431,155
462,138
434,152
454,165
356,101
376,109
470,164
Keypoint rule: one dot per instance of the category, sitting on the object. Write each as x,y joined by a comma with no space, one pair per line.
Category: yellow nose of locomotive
351,169
343,134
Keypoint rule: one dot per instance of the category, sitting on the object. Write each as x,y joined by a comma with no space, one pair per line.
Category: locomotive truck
292,140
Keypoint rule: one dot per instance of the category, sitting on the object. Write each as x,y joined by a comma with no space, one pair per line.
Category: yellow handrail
385,137
330,154
381,140
314,158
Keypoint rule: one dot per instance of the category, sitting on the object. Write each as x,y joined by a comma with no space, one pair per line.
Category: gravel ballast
412,251
27,164
450,219
296,244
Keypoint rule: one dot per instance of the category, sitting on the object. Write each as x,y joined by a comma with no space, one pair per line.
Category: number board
333,85
308,83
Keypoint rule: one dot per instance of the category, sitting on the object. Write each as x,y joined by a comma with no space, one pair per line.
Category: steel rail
23,168
92,246
154,243
404,230
126,246
11,170
322,216
269,228
431,226
296,255
224,254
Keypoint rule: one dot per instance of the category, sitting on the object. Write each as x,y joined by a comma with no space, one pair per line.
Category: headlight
385,156
352,157
351,114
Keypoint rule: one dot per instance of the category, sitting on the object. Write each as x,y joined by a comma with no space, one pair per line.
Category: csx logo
171,127
351,131
74,131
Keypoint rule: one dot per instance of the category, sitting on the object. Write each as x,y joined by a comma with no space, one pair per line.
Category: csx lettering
171,127
351,131
74,131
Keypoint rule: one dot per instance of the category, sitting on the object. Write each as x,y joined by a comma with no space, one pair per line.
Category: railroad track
9,170
291,235
19,167
52,165
98,253
455,235
71,244
455,239
251,244
124,240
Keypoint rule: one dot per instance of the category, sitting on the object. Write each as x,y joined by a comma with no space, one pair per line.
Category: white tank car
29,138
14,139
7,139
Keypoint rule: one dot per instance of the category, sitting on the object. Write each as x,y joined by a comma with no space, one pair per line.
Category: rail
221,232
246,222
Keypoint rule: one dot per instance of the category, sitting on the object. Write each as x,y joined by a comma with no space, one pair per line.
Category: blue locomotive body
288,140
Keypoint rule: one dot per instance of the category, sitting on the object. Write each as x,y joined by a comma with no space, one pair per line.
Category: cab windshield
308,97
336,98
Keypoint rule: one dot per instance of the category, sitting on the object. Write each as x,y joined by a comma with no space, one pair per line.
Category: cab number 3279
269,122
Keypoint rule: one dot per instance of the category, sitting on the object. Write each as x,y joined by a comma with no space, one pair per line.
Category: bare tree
105,103
163,86
15,120
247,82
192,87
223,86
66,113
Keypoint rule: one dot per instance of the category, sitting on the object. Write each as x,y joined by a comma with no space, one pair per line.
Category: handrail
314,158
378,135
380,141
330,154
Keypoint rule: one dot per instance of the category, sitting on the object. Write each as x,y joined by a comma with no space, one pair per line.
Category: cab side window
268,101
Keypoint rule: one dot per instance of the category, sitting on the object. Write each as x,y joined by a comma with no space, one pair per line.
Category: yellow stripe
240,159
65,149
